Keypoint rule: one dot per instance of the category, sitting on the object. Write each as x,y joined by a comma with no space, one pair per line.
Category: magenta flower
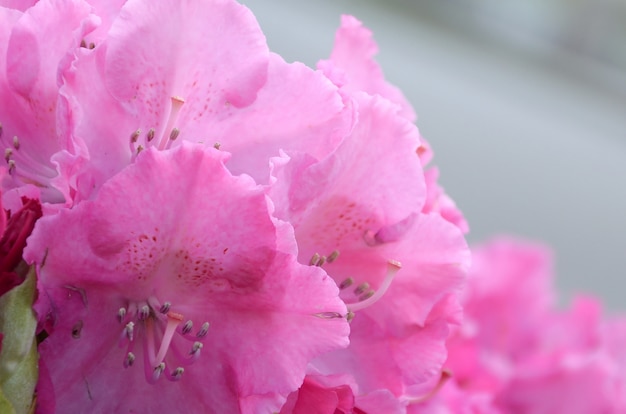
175,290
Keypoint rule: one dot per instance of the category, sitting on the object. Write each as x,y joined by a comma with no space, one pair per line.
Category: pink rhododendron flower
222,215
176,271
352,67
34,44
517,348
352,218
214,83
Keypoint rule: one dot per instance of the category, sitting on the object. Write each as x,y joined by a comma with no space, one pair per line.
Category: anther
128,330
77,329
83,43
346,283
139,149
177,373
187,327
367,300
1,130
333,256
328,315
367,295
314,259
174,134
8,153
165,308
150,135
203,330
195,349
16,142
92,45
217,145
129,360
349,316
144,312
11,166
361,288
135,135
121,314
321,261
158,370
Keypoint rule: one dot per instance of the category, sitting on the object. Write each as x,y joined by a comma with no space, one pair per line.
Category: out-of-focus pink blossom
518,348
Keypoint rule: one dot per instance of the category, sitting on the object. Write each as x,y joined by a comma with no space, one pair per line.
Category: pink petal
352,65
177,226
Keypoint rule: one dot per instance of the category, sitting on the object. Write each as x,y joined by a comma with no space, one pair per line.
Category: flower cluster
222,231
204,227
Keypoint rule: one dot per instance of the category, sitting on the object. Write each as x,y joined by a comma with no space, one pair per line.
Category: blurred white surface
529,142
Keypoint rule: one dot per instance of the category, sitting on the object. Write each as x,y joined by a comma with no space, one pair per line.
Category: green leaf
18,358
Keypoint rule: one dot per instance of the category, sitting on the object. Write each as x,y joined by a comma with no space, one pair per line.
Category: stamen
150,135
129,331
177,104
217,145
333,256
346,283
321,261
203,330
392,268
129,360
165,308
367,295
1,129
314,259
195,350
177,374
135,136
361,288
139,149
174,134
8,153
158,370
445,376
77,329
187,327
328,315
92,45
144,312
121,314
83,43
349,316
16,142
11,166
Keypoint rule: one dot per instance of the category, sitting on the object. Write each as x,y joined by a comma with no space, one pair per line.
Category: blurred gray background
524,103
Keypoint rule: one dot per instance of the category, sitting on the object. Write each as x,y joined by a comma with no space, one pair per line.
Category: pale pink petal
352,65
38,44
296,110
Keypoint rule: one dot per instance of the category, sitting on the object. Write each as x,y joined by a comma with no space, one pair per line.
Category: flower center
162,140
21,166
157,327
363,296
